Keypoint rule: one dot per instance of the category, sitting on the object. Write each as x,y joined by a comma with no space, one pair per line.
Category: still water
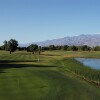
93,63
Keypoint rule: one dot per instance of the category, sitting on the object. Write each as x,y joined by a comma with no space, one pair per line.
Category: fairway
50,50
44,80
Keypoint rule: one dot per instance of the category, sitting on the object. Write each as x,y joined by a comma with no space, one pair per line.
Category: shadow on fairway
10,61
5,64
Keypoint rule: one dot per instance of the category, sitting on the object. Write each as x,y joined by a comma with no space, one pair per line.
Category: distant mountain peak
90,40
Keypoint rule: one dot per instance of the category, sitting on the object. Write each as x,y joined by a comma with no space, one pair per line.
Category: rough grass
72,54
44,80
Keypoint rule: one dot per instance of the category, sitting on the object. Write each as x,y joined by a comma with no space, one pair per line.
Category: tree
97,48
65,47
32,48
45,48
85,48
58,47
2,47
52,47
21,48
12,45
74,48
5,45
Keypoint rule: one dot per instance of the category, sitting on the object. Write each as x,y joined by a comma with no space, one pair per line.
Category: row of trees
72,48
34,47
12,45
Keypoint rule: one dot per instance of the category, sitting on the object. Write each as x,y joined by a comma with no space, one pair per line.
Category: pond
91,62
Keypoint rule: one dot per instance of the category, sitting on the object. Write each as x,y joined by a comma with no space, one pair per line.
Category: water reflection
93,63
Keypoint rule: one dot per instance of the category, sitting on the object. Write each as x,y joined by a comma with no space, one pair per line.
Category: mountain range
90,40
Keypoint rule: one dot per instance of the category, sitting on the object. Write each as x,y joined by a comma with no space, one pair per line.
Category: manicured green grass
18,56
43,83
44,80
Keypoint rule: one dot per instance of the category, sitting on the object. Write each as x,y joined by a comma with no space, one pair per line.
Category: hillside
90,40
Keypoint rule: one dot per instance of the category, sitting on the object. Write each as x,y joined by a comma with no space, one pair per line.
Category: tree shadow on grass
7,64
10,61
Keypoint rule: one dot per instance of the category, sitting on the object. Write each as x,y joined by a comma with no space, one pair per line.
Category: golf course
52,75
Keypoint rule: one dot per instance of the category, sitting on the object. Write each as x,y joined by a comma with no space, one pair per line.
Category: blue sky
37,20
